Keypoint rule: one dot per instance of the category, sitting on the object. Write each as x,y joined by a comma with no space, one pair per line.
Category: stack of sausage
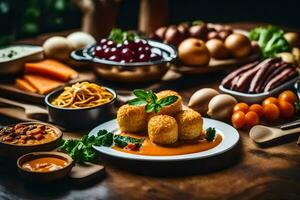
258,77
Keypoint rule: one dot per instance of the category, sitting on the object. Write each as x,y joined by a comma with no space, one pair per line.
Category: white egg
80,40
57,47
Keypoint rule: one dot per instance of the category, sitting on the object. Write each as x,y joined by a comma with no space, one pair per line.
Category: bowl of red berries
126,57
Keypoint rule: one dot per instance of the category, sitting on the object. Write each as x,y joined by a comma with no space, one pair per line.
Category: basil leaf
157,107
210,134
167,100
137,102
152,96
149,107
140,93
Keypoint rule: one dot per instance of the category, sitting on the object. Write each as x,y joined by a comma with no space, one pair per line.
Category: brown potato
217,49
238,45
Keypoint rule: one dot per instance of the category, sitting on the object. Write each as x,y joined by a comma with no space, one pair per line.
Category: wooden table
246,172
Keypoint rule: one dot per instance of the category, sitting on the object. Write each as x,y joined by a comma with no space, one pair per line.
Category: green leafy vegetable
123,141
270,39
297,107
82,150
119,36
150,100
210,134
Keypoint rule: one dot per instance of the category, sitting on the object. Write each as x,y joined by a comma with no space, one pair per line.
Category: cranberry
111,43
144,50
115,58
129,44
107,53
103,41
99,51
115,51
143,58
127,54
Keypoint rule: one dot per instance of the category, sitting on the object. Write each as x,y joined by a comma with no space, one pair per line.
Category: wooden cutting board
7,88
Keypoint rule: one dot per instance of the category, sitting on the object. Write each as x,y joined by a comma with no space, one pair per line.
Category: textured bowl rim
45,154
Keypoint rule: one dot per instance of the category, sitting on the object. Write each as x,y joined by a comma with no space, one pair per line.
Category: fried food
189,123
173,108
163,129
132,118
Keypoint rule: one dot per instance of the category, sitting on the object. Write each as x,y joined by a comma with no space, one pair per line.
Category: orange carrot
42,84
52,69
25,86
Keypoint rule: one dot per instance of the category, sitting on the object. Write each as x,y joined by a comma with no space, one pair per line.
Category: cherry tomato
238,119
271,112
252,118
258,109
288,96
241,107
270,100
286,109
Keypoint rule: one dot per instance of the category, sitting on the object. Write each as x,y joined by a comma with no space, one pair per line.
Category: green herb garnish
270,39
197,22
119,36
210,134
82,150
150,100
297,107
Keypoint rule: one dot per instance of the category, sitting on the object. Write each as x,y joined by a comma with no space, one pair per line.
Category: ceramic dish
13,58
255,98
130,72
79,118
14,151
229,134
45,176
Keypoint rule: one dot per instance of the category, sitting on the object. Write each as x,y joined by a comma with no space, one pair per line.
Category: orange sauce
179,148
46,164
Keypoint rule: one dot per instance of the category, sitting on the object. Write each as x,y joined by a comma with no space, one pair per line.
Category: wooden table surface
246,172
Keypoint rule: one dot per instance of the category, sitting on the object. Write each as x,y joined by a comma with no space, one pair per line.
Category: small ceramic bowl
14,151
44,176
23,53
79,118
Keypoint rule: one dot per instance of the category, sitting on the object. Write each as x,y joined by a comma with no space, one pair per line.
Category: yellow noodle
82,95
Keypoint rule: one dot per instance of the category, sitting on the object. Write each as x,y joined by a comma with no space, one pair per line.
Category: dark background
27,18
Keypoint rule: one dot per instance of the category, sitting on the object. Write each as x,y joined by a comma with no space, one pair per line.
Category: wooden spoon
34,112
261,134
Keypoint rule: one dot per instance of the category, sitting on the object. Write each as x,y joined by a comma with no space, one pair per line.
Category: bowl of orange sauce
45,166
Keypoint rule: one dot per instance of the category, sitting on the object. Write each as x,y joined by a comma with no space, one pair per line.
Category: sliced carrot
25,86
42,84
52,69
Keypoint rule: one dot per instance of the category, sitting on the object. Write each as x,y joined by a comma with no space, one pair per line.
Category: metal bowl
130,72
78,118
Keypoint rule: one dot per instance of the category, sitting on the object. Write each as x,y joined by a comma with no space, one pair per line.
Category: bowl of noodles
81,105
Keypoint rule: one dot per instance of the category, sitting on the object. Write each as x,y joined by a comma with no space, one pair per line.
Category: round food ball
238,45
217,49
163,129
190,124
193,52
57,47
80,40
174,107
132,118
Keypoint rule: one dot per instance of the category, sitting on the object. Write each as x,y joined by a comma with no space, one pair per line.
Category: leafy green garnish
197,22
150,100
119,36
82,150
123,141
270,39
210,134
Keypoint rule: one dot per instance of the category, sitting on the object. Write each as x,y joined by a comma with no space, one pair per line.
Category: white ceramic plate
229,134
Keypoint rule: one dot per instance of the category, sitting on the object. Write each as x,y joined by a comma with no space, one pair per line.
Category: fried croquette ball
163,129
189,123
132,118
174,107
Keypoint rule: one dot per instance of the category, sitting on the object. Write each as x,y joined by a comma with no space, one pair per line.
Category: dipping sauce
179,148
46,164
27,134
